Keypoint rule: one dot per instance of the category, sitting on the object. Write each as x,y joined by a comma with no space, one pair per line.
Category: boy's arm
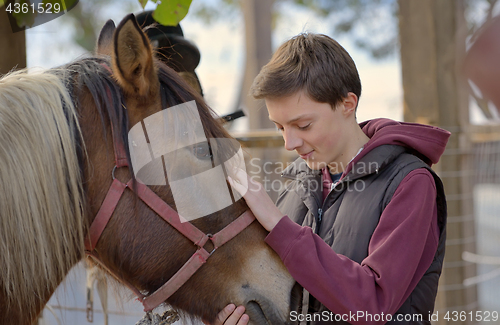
400,251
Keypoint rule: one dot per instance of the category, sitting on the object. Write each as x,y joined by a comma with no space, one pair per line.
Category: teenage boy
361,224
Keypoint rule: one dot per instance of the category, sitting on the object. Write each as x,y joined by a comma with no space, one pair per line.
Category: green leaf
143,3
171,12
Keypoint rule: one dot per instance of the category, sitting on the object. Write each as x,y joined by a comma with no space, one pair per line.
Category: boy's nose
292,141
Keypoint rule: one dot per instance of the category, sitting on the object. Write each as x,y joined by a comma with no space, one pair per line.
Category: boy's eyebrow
292,120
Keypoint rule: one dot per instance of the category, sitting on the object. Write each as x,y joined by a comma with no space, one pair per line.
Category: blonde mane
41,207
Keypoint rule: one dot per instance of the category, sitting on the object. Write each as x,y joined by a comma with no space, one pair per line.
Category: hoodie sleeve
400,251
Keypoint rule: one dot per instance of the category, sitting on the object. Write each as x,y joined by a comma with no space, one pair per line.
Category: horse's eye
202,151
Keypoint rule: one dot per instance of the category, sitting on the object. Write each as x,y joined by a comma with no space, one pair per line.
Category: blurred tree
371,24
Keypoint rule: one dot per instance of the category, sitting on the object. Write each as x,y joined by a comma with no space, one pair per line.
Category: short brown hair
311,62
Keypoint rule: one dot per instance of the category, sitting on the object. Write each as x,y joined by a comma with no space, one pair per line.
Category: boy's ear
349,104
105,41
132,60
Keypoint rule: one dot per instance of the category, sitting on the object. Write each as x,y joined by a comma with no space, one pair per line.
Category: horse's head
177,137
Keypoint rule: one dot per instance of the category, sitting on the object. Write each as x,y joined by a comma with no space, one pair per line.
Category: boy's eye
305,127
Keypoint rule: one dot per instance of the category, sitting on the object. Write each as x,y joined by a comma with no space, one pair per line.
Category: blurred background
410,56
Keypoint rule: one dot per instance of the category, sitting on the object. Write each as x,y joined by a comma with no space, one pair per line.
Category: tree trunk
258,49
12,46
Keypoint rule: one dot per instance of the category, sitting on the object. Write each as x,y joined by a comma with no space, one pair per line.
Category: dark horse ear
105,40
133,64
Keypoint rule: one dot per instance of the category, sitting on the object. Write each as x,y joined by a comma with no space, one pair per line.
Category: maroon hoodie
407,229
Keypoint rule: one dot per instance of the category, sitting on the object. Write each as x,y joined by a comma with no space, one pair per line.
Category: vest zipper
318,220
320,210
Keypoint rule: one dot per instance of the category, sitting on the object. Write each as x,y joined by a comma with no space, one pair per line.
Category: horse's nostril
256,313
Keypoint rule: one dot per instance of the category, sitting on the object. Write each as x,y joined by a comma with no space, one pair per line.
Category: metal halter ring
113,174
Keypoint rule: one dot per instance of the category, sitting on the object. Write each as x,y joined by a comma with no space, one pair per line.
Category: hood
425,141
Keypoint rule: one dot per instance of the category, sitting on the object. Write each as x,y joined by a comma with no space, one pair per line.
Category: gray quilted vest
379,173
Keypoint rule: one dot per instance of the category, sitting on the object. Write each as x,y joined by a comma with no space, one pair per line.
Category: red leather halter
150,198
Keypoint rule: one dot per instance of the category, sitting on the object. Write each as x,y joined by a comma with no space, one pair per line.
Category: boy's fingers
231,315
244,320
235,317
224,314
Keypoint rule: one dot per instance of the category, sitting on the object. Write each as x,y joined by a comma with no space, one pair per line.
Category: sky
222,56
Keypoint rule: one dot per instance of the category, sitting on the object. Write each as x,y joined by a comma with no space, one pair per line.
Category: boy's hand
256,198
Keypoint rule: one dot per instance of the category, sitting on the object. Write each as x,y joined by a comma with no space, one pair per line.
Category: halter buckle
215,247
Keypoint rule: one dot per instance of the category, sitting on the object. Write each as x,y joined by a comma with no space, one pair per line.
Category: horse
59,131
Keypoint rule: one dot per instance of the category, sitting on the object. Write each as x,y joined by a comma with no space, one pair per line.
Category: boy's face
319,134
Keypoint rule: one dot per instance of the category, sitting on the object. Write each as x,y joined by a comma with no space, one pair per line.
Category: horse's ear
133,64
105,40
